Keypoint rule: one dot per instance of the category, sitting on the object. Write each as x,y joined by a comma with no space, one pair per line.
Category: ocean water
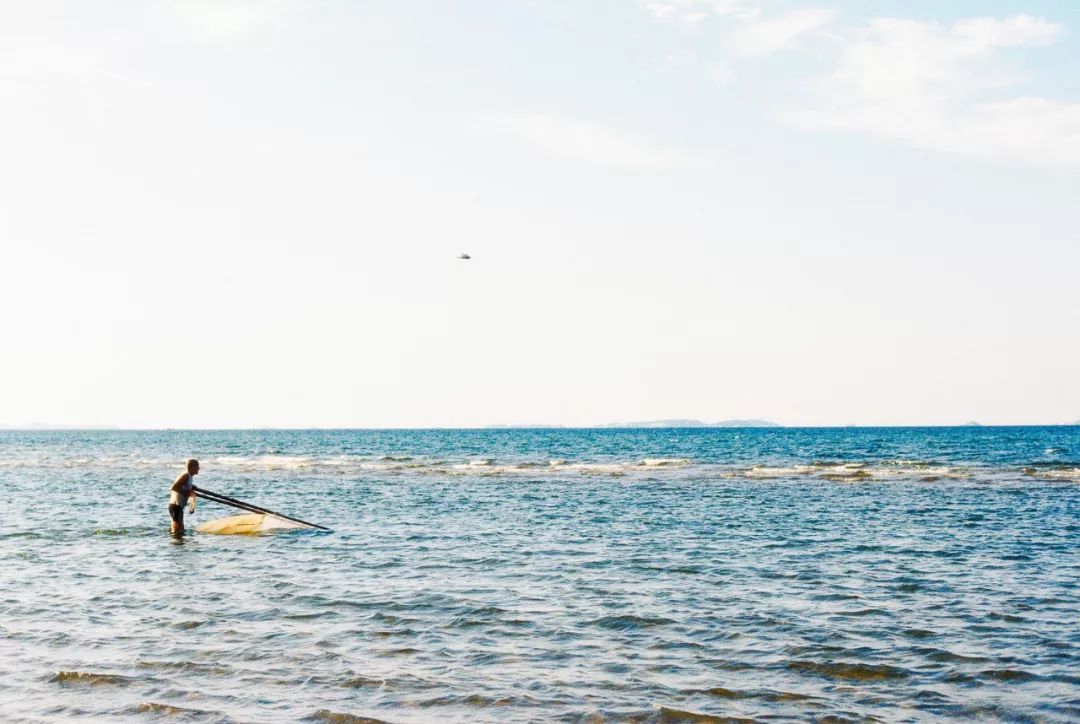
546,575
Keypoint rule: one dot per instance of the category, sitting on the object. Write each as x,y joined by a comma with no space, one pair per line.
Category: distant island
693,423
645,424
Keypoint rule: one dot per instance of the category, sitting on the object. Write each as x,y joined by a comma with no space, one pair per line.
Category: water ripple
642,576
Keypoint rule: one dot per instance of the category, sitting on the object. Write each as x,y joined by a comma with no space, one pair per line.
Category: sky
248,213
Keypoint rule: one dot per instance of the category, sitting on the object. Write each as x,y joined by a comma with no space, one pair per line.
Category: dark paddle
235,504
226,500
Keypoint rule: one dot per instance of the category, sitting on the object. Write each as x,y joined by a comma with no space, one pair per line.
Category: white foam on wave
1054,473
337,461
598,468
766,471
665,462
940,471
489,468
378,464
485,463
884,470
267,462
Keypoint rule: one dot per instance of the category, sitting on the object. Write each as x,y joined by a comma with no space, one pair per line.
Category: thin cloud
589,142
762,37
694,11
938,87
923,83
750,32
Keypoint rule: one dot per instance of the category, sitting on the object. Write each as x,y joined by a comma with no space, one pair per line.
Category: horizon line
500,427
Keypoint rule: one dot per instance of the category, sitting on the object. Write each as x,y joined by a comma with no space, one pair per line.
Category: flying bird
465,256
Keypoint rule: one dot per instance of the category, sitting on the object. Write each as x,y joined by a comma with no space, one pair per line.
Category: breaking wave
396,465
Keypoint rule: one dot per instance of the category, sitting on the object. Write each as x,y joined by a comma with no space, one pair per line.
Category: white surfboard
247,524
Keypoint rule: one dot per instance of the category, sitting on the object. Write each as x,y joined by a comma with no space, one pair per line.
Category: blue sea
900,574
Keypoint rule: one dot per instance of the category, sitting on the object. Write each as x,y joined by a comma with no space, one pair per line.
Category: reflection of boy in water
183,489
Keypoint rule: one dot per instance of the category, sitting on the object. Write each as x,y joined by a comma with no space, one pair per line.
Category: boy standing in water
182,490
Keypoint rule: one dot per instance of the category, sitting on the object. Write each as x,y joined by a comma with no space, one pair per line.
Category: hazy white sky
247,212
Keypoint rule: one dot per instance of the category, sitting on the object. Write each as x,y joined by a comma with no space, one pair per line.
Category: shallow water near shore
517,575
